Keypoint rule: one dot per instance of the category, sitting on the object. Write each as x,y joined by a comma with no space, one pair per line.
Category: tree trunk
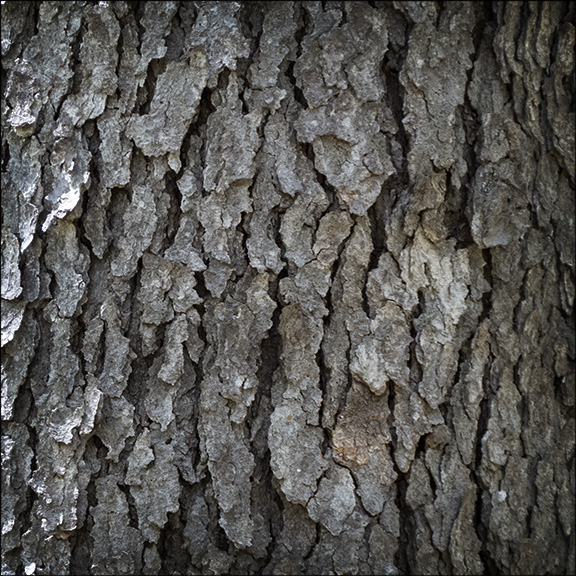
288,288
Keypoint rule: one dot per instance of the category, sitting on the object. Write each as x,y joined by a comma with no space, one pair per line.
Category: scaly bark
288,288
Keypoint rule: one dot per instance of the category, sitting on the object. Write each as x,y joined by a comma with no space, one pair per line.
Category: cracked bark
288,288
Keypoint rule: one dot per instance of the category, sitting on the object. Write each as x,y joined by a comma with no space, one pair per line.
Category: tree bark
288,288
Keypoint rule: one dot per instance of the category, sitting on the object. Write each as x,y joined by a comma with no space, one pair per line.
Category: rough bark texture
288,288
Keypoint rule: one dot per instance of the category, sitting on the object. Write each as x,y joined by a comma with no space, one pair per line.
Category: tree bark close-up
288,288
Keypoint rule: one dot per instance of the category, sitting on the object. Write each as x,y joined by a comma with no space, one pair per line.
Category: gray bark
288,288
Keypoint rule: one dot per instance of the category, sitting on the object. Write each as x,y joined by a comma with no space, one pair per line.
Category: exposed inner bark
288,288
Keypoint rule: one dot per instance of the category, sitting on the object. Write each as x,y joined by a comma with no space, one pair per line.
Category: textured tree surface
288,288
